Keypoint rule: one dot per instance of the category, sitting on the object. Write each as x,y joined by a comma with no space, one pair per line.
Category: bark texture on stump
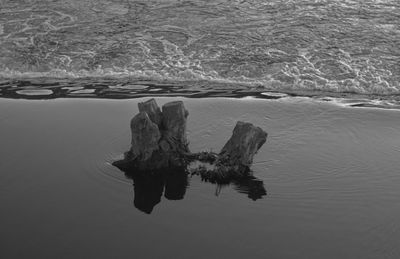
145,136
153,111
174,124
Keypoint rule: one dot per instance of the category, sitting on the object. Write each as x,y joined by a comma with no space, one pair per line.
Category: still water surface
330,175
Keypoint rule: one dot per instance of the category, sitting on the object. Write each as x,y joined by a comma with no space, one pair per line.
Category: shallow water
331,174
306,45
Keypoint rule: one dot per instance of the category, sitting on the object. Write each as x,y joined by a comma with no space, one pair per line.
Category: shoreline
132,88
338,100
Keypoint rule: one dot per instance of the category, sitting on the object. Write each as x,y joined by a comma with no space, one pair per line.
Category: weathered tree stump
238,152
159,142
145,137
151,108
174,123
158,138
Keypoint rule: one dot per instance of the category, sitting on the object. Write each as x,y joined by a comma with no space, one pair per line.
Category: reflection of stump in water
147,191
148,188
253,187
175,186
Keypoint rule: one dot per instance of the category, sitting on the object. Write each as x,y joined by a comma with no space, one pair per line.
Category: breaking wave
315,47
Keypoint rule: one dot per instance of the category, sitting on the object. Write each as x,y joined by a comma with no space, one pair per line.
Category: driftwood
159,142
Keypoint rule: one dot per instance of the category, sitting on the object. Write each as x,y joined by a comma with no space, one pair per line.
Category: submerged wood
159,141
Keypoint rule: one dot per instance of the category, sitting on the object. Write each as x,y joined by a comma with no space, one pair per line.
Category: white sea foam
35,92
290,46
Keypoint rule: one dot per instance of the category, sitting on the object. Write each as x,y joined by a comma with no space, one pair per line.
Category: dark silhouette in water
149,187
176,184
250,185
253,187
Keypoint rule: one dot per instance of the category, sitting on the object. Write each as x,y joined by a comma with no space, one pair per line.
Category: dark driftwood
159,142
240,149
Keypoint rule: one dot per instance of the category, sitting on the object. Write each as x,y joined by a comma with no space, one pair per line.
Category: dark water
330,175
328,46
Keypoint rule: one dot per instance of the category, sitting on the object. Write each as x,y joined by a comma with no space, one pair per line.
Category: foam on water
35,92
285,46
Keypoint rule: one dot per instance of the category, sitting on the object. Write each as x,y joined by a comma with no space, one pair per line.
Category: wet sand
331,176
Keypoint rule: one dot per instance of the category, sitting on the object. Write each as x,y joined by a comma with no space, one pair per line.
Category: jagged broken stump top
159,141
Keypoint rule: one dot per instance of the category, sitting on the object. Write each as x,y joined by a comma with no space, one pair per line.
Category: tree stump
234,160
145,137
159,142
153,111
158,138
174,117
240,149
